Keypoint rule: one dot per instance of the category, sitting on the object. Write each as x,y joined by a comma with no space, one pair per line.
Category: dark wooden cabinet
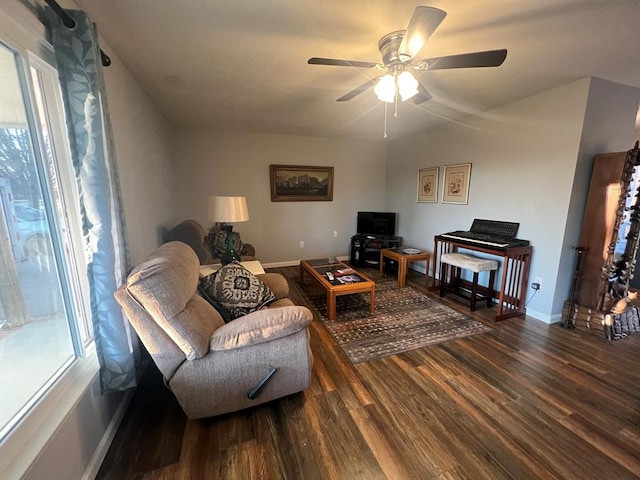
365,249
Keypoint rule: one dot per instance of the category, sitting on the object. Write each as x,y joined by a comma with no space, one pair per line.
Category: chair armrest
248,250
276,283
259,327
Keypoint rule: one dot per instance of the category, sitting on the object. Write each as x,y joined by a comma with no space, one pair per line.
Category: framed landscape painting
456,183
428,184
301,183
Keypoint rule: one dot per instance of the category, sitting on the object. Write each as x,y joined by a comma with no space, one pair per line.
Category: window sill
23,445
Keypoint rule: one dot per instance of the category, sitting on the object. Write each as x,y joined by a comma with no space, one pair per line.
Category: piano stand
516,262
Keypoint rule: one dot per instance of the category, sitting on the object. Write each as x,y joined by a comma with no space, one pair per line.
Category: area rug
404,319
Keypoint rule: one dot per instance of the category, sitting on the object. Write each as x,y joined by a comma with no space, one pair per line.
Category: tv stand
365,248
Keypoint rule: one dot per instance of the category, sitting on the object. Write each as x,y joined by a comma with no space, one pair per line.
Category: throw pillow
238,290
203,287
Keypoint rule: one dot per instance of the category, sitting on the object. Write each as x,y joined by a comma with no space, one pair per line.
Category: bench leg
474,292
443,277
457,271
492,279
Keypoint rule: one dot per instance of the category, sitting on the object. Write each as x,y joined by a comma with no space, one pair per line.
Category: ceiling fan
399,50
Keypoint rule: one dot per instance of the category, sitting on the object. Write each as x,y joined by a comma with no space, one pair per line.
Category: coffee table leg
372,300
331,306
402,272
426,273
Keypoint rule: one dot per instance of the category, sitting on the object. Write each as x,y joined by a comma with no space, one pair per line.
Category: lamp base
229,254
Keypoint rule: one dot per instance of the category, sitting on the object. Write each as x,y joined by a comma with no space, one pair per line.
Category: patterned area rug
405,319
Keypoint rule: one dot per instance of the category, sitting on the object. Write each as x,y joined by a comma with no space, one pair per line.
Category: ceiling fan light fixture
407,86
385,89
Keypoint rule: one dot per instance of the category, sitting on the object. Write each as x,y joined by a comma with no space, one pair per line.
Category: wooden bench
465,261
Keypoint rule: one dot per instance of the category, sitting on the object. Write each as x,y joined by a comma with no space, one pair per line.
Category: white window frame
67,178
24,443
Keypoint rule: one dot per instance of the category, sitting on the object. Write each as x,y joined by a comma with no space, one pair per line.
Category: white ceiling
242,65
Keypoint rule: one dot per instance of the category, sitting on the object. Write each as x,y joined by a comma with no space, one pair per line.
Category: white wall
608,126
78,447
147,173
231,163
523,158
530,164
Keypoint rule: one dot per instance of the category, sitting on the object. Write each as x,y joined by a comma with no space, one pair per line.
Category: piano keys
480,239
494,238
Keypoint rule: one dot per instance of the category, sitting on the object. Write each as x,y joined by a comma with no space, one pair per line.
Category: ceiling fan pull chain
385,119
395,113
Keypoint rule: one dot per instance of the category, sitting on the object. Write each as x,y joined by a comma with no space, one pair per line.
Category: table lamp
227,210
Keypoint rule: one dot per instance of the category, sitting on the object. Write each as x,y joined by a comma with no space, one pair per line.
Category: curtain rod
69,22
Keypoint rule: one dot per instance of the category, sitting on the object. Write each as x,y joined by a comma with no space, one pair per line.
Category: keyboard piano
490,233
499,239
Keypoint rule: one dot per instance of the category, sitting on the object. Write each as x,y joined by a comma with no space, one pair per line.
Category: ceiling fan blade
340,63
422,96
490,58
358,90
423,23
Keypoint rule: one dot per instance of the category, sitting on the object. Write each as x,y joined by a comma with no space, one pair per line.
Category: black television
376,223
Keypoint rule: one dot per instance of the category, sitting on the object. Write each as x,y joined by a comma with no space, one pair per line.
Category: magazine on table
344,271
349,279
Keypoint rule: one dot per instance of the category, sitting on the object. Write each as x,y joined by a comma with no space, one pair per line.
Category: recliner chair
213,367
193,234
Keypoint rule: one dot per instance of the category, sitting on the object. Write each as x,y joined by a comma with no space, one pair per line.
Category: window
43,327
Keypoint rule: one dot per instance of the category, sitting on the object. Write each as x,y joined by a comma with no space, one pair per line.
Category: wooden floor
526,400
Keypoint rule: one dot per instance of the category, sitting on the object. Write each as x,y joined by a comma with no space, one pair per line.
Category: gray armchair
192,233
213,367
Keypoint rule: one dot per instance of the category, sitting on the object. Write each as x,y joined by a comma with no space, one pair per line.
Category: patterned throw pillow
237,289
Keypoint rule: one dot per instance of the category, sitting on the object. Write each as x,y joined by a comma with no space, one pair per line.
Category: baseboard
295,263
289,263
418,267
103,447
543,317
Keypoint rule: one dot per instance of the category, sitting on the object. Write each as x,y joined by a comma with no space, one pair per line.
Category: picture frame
455,184
301,183
428,184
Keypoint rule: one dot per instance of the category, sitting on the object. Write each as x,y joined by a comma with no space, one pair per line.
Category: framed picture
301,183
455,188
428,184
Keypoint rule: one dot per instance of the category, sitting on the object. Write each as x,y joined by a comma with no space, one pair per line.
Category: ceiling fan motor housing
389,45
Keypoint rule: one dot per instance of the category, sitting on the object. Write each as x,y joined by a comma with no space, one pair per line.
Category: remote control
330,276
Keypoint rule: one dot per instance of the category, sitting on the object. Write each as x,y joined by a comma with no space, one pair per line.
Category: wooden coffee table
318,269
403,259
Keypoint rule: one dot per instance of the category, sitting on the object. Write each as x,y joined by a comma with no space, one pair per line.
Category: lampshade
228,209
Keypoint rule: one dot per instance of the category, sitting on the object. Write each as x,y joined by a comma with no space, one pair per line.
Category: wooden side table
399,255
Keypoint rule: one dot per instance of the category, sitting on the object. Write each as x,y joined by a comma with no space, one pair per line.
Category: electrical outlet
538,280
301,243
335,234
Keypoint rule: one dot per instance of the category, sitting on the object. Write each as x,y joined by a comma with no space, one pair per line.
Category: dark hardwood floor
526,400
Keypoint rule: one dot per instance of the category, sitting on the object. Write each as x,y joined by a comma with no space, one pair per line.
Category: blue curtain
80,70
